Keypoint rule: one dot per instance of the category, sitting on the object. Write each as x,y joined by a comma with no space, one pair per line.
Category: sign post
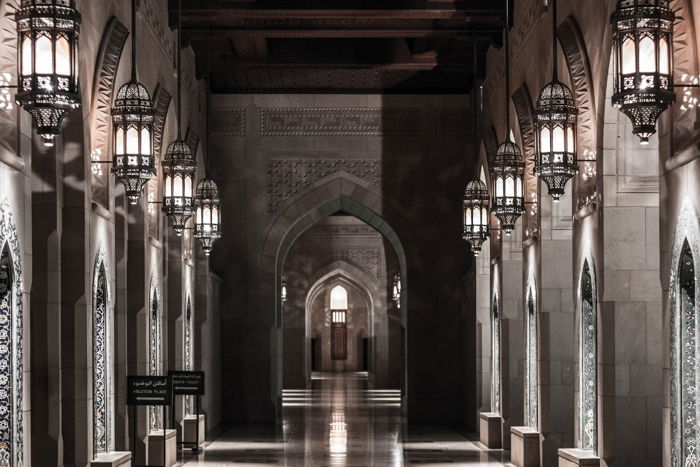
188,383
148,390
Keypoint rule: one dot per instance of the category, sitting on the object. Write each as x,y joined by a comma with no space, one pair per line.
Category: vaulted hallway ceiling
340,46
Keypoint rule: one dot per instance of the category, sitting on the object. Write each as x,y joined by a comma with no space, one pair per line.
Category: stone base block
490,430
524,446
155,448
190,425
575,457
112,459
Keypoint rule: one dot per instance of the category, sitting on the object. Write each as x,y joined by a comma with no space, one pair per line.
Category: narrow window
588,405
339,327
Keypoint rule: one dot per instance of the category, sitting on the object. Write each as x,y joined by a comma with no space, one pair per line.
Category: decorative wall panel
495,358
154,349
161,102
531,399
286,177
588,363
324,121
227,121
101,381
11,351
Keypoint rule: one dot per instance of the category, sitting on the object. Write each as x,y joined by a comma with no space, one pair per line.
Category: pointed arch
531,345
684,291
588,358
102,416
11,335
155,345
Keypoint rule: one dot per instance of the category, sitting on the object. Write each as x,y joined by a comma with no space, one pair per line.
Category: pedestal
155,448
490,430
190,425
112,459
575,457
524,446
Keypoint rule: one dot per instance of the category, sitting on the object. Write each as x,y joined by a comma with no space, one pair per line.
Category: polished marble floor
339,422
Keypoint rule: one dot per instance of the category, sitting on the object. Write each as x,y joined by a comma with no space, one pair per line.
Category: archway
338,193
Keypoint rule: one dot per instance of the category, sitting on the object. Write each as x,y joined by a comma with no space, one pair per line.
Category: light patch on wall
688,98
96,155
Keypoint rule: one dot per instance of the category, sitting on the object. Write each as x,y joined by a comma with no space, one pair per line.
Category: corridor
339,422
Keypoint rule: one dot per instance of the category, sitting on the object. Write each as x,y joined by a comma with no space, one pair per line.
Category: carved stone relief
576,55
155,15
684,63
8,71
161,102
287,177
228,121
526,121
325,121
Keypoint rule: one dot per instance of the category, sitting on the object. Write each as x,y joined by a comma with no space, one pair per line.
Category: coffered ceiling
375,46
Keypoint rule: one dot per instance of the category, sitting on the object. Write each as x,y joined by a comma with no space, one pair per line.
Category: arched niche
155,347
11,350
587,359
102,389
531,356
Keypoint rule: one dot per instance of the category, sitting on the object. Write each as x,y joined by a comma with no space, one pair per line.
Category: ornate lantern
207,226
476,215
179,168
47,48
555,124
179,164
132,117
643,69
283,291
508,168
133,161
507,173
396,291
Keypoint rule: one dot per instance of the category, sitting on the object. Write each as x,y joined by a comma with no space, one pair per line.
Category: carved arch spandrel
108,57
578,64
161,102
526,121
684,63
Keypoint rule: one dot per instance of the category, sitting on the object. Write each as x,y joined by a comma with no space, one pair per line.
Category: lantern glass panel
544,139
120,141
44,55
499,187
647,55
145,142
132,140
63,56
177,185
663,56
510,187
26,56
558,139
168,186
188,186
215,215
570,140
519,187
629,57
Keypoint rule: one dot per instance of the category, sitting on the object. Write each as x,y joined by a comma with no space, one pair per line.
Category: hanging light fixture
476,215
207,226
283,291
476,195
643,69
179,165
133,162
47,32
555,126
508,167
396,291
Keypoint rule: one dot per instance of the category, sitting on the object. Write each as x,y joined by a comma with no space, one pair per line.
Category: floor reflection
341,422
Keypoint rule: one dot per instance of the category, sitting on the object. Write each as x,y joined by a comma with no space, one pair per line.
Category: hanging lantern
396,291
476,215
283,292
179,168
507,175
643,69
207,226
132,117
47,32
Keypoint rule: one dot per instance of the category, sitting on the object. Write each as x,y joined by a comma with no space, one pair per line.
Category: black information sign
148,390
187,383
